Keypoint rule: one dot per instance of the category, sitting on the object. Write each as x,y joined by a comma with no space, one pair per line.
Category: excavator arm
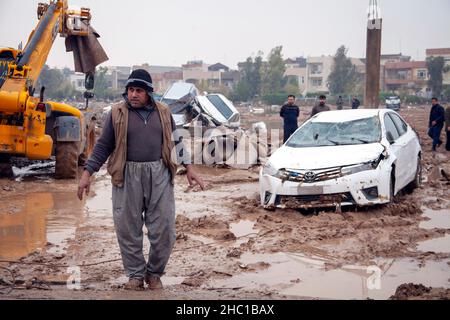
30,126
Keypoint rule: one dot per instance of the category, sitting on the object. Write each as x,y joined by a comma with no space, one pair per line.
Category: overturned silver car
188,107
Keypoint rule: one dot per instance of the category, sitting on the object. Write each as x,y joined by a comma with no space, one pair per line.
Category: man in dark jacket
355,103
447,126
339,103
436,123
321,107
289,112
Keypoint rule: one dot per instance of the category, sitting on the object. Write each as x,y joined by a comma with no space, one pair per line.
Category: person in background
436,123
340,103
447,126
321,107
355,103
290,113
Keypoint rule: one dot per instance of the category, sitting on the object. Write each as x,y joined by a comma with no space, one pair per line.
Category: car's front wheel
392,187
418,176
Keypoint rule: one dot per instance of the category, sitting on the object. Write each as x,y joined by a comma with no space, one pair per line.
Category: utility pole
373,56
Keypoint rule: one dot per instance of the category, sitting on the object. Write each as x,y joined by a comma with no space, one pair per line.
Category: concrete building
297,68
317,71
77,80
408,76
163,76
214,76
387,58
118,76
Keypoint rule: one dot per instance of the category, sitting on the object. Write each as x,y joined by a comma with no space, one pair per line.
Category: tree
273,72
101,87
290,85
51,79
250,84
436,69
342,78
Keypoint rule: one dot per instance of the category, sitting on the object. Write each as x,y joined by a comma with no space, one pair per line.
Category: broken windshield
320,134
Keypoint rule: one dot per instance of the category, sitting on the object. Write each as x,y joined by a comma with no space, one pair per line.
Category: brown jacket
117,160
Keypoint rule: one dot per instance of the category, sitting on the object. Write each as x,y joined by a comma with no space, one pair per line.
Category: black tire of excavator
89,146
66,160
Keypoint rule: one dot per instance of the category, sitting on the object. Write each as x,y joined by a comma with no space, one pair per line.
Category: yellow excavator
32,127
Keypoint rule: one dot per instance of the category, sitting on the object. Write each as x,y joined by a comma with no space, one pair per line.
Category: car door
397,148
406,139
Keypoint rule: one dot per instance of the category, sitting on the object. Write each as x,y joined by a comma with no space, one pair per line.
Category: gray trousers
147,197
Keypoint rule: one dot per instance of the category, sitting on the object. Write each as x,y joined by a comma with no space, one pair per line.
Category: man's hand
84,184
193,177
433,123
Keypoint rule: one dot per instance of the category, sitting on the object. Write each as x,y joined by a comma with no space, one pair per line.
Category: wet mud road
227,246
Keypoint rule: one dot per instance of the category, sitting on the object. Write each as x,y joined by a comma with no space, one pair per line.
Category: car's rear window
220,105
319,134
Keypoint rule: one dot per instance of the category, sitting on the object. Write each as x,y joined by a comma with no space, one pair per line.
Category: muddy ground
227,246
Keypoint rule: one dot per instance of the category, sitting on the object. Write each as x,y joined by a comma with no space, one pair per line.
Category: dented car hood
325,157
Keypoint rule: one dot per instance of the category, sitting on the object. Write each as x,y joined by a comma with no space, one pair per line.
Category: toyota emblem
309,176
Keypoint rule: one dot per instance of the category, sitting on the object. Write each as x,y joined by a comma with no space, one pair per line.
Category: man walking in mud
138,140
289,112
436,123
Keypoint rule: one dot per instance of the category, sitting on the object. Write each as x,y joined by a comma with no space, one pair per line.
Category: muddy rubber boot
153,282
136,284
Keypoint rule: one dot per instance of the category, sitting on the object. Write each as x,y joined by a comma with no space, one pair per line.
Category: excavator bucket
87,51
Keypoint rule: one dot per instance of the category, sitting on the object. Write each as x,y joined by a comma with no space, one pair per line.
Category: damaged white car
340,158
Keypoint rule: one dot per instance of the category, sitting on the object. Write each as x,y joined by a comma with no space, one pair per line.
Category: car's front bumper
363,189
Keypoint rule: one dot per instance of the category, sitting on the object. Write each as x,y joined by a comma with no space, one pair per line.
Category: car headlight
270,170
371,165
355,169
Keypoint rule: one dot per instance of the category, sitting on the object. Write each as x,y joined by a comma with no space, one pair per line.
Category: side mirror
89,81
390,137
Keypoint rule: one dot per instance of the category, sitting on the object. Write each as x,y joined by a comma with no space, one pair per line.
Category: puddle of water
299,275
99,203
243,228
441,244
438,219
27,223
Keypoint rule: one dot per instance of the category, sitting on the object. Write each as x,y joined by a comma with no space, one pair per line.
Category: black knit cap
142,79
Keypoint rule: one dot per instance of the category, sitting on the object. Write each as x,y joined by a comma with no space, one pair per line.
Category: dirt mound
208,226
411,291
247,205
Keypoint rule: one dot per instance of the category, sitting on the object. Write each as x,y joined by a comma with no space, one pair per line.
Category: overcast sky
170,32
